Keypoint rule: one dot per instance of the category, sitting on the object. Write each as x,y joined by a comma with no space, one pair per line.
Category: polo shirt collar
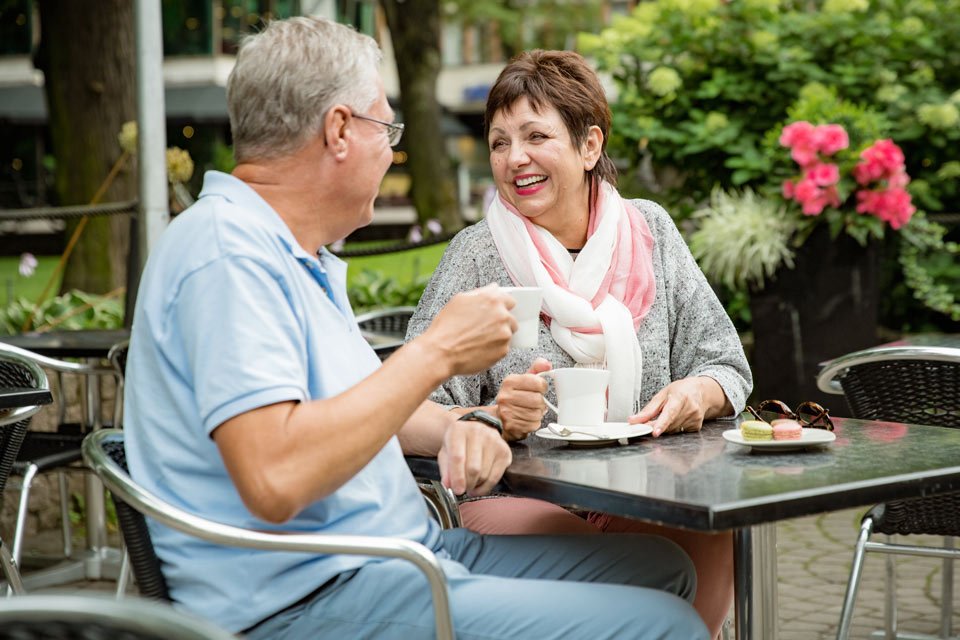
236,191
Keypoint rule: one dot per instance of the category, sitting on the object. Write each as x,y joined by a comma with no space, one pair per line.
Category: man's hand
679,406
473,458
473,330
520,401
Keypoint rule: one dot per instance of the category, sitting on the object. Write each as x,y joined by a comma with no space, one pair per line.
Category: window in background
237,18
361,14
187,27
16,27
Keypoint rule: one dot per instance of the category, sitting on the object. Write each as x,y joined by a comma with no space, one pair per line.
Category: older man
253,399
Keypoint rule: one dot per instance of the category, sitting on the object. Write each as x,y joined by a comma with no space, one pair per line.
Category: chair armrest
65,615
120,483
826,379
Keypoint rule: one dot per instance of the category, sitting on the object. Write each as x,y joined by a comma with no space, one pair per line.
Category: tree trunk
415,32
88,59
825,307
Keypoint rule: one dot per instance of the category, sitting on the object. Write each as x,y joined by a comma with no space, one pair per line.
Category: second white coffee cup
526,311
581,396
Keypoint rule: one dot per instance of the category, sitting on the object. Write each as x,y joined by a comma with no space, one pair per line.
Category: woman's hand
520,402
683,405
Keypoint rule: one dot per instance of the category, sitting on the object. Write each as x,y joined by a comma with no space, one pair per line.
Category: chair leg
123,579
853,585
946,592
28,475
65,515
890,589
9,567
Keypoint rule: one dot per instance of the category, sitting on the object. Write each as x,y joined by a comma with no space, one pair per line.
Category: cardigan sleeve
458,271
704,341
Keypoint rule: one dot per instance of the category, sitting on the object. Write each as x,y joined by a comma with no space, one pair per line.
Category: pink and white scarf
593,304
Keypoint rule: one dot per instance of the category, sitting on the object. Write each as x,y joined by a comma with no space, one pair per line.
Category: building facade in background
200,39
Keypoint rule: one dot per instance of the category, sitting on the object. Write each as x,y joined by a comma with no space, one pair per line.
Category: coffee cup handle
546,375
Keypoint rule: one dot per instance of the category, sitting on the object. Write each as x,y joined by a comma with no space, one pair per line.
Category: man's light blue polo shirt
231,316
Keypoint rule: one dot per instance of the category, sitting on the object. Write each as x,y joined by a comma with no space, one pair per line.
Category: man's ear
592,147
336,132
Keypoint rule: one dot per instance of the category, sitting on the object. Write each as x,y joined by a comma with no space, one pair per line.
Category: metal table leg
755,582
98,561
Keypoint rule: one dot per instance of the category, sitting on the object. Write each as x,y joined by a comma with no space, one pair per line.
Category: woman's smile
529,184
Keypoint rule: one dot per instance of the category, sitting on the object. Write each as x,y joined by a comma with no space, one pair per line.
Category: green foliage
743,239
374,289
931,266
702,82
527,24
72,311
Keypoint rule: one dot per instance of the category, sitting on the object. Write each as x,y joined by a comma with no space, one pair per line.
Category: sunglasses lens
814,415
774,410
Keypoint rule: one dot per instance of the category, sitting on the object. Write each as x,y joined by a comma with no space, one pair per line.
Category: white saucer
808,438
611,432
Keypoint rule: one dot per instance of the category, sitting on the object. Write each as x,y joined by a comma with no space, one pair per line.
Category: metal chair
87,617
17,369
103,452
43,451
385,329
391,321
912,384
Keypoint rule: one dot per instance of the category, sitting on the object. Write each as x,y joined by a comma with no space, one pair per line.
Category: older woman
620,288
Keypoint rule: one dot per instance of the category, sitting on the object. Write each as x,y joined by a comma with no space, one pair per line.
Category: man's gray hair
289,75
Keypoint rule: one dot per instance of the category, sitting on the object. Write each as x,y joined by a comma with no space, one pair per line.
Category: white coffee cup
526,311
581,394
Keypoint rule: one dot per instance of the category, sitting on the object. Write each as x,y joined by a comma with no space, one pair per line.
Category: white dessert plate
808,438
609,431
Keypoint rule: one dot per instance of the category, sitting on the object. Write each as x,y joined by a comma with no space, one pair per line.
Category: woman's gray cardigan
685,333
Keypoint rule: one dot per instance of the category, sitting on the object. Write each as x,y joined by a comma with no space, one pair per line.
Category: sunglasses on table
808,414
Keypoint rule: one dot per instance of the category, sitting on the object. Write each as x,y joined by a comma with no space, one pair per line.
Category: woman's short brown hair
562,80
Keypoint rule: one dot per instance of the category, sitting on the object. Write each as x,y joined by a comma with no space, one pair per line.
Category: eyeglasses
808,414
394,129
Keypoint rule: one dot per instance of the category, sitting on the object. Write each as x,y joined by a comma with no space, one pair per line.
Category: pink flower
28,264
886,154
867,171
824,174
892,205
787,189
832,197
866,201
806,190
898,180
830,138
800,132
896,207
804,155
814,207
880,170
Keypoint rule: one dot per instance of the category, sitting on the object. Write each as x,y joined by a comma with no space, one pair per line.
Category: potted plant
807,245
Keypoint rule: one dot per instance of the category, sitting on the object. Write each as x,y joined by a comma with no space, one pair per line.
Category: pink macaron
786,429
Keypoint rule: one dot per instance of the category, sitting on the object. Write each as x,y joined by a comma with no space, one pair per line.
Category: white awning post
154,204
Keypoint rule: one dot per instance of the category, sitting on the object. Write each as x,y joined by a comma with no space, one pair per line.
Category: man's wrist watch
482,416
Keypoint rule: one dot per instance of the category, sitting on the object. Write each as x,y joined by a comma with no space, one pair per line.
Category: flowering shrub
701,83
880,173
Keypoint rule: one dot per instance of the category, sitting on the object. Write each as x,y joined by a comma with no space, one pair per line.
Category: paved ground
813,556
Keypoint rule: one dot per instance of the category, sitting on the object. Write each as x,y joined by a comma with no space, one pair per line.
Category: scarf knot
594,304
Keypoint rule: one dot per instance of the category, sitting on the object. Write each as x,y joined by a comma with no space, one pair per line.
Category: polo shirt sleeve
243,338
